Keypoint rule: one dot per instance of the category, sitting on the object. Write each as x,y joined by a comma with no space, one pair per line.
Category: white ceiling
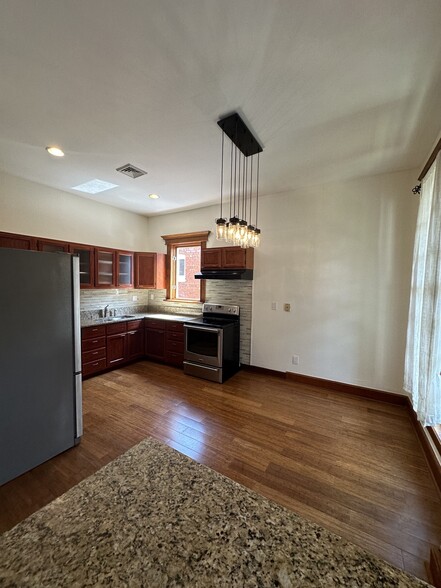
333,89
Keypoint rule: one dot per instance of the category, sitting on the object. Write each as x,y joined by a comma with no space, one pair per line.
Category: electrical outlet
287,307
273,305
295,360
134,298
152,296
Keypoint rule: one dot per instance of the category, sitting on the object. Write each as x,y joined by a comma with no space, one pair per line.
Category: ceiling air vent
130,170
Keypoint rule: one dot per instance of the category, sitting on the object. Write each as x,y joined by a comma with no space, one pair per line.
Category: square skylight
94,186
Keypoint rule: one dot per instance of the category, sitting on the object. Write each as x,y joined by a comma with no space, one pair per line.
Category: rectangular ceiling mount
130,170
234,127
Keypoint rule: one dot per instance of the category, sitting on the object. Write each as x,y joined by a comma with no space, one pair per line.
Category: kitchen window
183,262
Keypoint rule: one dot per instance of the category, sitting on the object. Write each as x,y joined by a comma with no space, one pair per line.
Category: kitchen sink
111,319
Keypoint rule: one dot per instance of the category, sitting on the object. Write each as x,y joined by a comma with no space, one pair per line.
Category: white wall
32,209
200,219
341,255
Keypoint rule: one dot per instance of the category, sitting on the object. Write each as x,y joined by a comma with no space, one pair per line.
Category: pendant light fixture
243,176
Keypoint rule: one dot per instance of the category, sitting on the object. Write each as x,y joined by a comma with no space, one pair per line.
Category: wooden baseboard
429,448
371,393
434,567
260,370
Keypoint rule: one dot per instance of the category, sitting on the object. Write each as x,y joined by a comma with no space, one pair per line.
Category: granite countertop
154,517
134,316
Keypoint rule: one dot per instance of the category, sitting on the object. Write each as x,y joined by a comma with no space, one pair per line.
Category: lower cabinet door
155,343
135,344
116,349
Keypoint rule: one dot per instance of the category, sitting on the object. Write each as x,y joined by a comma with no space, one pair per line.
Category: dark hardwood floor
350,464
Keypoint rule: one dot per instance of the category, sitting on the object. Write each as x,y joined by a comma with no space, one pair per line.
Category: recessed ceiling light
153,196
94,186
55,151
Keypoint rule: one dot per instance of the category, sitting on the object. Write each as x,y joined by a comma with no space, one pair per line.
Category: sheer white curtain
423,350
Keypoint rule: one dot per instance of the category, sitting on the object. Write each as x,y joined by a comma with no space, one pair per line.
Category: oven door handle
210,329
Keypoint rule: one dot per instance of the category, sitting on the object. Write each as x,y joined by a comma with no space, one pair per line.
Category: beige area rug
154,517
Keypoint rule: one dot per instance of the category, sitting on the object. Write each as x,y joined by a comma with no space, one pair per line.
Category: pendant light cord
222,177
251,191
231,175
257,187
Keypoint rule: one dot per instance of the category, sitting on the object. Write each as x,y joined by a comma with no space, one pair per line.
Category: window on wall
184,261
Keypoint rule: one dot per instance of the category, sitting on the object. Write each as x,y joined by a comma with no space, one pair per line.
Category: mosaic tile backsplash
217,291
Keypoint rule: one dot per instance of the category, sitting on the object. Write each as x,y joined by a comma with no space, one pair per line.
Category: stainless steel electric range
212,343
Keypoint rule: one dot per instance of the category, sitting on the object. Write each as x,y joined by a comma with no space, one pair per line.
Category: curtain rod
430,161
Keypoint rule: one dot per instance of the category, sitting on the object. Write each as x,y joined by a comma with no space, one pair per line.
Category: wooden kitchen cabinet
227,258
174,342
116,349
86,253
13,241
107,346
150,271
135,339
155,339
101,267
124,266
52,246
211,258
105,265
125,342
164,341
93,350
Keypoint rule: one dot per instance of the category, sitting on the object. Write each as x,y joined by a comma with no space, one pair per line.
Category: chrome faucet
105,311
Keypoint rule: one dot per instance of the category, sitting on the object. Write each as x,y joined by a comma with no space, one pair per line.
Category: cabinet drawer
93,355
93,332
93,366
135,325
154,324
116,328
174,358
175,336
175,346
90,344
175,326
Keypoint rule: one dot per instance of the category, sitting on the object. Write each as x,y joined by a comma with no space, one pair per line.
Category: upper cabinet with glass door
87,266
105,274
124,269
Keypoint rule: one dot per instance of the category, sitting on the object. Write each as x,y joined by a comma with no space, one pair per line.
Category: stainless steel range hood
225,274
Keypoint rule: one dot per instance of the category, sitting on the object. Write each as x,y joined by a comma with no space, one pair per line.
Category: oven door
203,345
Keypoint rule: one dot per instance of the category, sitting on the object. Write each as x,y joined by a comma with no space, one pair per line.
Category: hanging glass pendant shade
221,228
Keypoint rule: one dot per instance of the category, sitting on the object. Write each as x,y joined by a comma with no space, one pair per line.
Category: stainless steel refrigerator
40,358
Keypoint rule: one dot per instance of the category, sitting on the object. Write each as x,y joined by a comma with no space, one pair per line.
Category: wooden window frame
198,239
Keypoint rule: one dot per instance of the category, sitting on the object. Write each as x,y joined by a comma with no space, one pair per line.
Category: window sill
435,433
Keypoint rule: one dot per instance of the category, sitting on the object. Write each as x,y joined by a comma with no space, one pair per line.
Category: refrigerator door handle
77,346
78,406
76,312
